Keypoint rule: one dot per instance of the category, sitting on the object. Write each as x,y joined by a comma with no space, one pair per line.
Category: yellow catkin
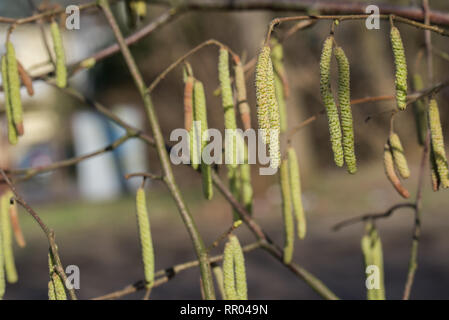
289,229
391,174
14,87
242,99
12,132
295,187
239,266
227,102
372,252
277,57
398,155
56,291
201,115
329,103
58,47
344,99
145,237
437,140
228,272
7,243
401,68
218,274
419,111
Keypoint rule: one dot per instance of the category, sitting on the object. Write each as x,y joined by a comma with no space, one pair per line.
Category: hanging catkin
438,143
145,237
277,56
18,234
344,99
228,104
329,103
7,243
218,273
14,87
434,177
372,252
188,119
419,110
401,68
247,189
56,291
201,116
242,99
398,155
58,47
295,187
289,229
228,272
391,174
240,272
12,132
26,79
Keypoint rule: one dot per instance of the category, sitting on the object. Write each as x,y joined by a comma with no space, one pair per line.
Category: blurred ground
102,240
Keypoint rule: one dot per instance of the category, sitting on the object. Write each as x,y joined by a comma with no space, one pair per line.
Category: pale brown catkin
391,174
398,155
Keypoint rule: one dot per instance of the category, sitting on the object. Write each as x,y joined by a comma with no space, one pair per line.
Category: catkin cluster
58,46
401,68
329,103
234,274
145,237
372,253
267,106
391,173
56,287
438,152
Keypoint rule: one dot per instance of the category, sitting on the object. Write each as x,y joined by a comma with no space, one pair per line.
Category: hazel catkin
329,103
6,236
228,272
145,237
234,274
14,88
12,132
344,99
26,79
289,229
437,141
280,82
372,252
56,290
401,68
398,155
391,174
58,46
200,114
295,187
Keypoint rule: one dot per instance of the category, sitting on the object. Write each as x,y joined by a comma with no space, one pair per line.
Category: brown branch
48,232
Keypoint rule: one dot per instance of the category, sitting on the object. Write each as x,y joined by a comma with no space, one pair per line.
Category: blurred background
91,207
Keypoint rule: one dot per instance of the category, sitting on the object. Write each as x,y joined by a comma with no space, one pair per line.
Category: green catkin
51,290
7,243
201,115
289,229
188,120
247,189
372,252
56,291
401,68
145,237
12,132
434,178
344,99
218,273
419,111
437,140
277,56
228,103
240,272
235,186
242,99
14,87
228,272
58,46
329,103
295,187
398,155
